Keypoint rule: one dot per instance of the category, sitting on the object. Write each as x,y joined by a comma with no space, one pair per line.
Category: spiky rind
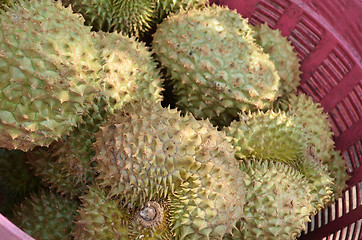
319,177
129,72
337,166
165,7
282,53
130,17
277,202
215,80
104,217
271,135
100,217
156,157
48,73
46,215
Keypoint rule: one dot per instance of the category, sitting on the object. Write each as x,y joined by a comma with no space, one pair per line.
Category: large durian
46,215
128,75
282,54
48,73
215,65
277,203
141,158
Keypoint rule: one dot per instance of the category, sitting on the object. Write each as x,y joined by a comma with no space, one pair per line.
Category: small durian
282,53
46,215
140,158
48,73
338,168
277,202
215,65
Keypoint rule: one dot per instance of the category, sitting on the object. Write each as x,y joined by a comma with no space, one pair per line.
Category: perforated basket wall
327,35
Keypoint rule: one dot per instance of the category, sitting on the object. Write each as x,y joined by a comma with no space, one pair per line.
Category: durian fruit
277,202
310,115
338,169
271,135
46,215
104,217
4,3
282,53
48,73
319,177
216,67
132,17
150,158
129,72
165,7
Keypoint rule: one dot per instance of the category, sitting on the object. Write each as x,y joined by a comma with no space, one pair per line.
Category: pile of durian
156,119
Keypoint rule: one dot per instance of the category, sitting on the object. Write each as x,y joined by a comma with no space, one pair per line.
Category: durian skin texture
132,17
271,135
160,155
281,53
316,122
103,217
46,216
214,63
277,202
48,73
129,73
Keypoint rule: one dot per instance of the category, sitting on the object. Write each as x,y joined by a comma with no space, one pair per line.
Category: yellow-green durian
46,216
271,135
282,53
215,65
315,122
48,73
277,202
318,176
141,158
129,73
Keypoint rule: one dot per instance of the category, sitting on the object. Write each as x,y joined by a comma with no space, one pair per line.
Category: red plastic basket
327,35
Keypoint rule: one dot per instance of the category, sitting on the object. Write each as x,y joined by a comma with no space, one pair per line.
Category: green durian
337,166
129,72
46,215
104,217
271,135
215,65
315,122
319,177
132,17
141,158
282,53
48,73
277,202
